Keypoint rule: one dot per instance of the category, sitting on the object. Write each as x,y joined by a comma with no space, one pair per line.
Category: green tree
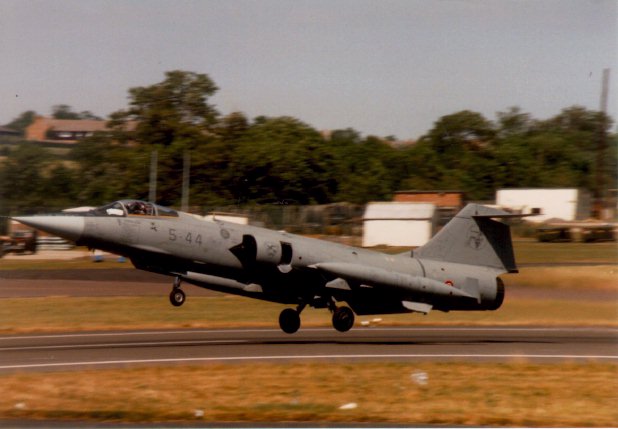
233,126
63,111
60,186
87,114
175,109
453,135
514,122
108,171
212,176
282,159
22,121
22,179
366,169
579,128
456,154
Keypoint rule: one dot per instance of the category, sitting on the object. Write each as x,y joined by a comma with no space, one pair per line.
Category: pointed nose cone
69,227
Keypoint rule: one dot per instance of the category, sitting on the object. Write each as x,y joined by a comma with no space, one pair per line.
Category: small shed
398,224
567,204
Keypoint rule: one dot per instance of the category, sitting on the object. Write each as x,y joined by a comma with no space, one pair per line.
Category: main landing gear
289,320
177,296
343,318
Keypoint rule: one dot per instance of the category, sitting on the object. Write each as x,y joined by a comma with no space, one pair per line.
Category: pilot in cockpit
140,208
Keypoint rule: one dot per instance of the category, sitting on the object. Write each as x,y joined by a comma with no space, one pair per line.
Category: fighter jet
458,269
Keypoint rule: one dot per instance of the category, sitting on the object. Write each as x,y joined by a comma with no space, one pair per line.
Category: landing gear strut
177,296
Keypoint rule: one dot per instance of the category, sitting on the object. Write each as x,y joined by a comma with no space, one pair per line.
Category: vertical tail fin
472,237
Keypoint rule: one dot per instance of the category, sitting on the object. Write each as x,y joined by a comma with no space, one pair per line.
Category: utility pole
186,176
599,185
152,193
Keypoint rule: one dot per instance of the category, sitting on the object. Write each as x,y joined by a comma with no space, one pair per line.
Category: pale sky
387,67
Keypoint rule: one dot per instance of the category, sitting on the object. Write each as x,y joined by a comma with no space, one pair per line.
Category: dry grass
530,251
52,264
80,314
518,394
601,277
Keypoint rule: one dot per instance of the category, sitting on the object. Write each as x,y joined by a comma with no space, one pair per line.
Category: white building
398,224
565,204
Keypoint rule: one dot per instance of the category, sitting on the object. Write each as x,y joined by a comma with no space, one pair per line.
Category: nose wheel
177,296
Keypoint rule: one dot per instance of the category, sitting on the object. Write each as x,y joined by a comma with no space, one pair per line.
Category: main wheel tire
177,297
289,321
343,319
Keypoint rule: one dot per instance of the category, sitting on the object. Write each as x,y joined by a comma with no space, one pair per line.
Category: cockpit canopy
133,208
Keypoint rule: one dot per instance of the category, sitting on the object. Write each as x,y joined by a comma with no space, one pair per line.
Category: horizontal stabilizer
505,215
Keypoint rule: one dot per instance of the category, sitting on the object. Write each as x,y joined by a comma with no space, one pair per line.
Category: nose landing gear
177,296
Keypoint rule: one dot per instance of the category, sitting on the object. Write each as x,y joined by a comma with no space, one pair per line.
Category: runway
78,351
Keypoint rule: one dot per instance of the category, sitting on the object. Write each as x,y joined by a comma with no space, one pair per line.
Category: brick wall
37,130
440,199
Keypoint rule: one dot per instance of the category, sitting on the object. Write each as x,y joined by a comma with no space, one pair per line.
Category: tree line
282,160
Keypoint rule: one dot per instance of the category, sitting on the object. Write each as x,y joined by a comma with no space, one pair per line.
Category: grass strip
64,264
509,394
530,251
599,277
54,314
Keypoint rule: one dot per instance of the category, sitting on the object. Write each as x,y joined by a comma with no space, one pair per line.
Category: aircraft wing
378,277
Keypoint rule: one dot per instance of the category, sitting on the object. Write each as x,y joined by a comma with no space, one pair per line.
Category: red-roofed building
66,130
63,130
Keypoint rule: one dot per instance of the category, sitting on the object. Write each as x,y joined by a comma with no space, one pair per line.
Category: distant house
398,224
63,130
567,204
4,131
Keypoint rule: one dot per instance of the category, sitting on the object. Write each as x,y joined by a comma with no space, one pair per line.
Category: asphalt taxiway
77,351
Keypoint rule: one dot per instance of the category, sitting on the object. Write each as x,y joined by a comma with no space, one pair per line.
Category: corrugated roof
398,210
